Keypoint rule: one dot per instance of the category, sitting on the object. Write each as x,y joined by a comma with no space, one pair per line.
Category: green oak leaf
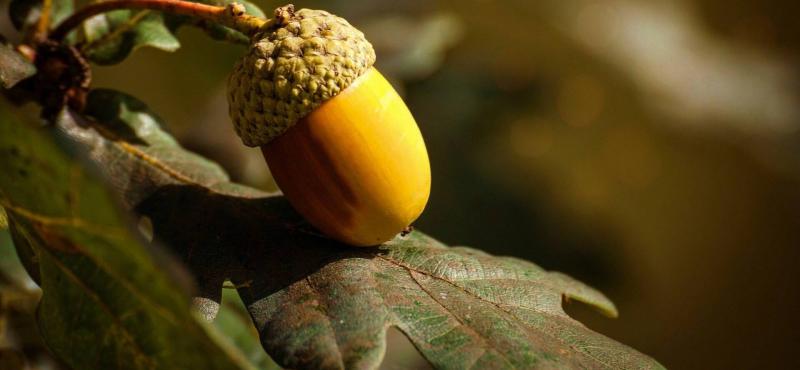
234,322
13,67
141,161
108,300
320,304
111,37
460,307
144,156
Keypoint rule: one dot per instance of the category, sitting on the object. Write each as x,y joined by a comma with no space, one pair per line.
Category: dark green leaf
112,36
25,13
234,322
13,67
108,300
138,155
142,161
320,304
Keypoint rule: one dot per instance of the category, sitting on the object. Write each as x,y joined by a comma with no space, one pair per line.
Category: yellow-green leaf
109,301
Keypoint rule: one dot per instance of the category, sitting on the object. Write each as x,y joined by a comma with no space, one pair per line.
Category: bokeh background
648,147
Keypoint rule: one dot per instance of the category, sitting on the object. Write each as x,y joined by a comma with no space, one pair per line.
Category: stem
43,24
232,15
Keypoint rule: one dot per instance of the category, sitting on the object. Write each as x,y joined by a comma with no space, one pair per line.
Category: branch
233,15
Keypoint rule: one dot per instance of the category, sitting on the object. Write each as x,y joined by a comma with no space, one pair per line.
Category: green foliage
460,307
234,322
319,304
113,298
98,280
140,154
110,37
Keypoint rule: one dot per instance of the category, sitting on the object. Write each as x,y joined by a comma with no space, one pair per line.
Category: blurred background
648,148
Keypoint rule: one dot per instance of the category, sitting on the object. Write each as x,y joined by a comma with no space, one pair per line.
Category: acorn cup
338,139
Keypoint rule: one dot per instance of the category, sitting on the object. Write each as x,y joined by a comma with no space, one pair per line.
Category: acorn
338,139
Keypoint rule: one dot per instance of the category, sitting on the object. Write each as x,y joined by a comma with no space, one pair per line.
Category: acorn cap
299,60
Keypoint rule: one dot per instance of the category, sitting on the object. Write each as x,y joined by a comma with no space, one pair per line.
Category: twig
233,15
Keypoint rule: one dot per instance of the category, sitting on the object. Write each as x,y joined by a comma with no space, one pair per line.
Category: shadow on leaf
319,304
258,243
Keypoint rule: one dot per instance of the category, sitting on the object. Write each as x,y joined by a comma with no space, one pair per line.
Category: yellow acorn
340,142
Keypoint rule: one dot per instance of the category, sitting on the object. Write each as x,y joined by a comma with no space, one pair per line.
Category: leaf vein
456,317
103,306
410,269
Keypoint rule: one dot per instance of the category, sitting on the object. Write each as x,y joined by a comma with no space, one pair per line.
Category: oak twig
233,15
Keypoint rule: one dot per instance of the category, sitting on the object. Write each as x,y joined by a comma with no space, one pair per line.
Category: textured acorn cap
299,60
